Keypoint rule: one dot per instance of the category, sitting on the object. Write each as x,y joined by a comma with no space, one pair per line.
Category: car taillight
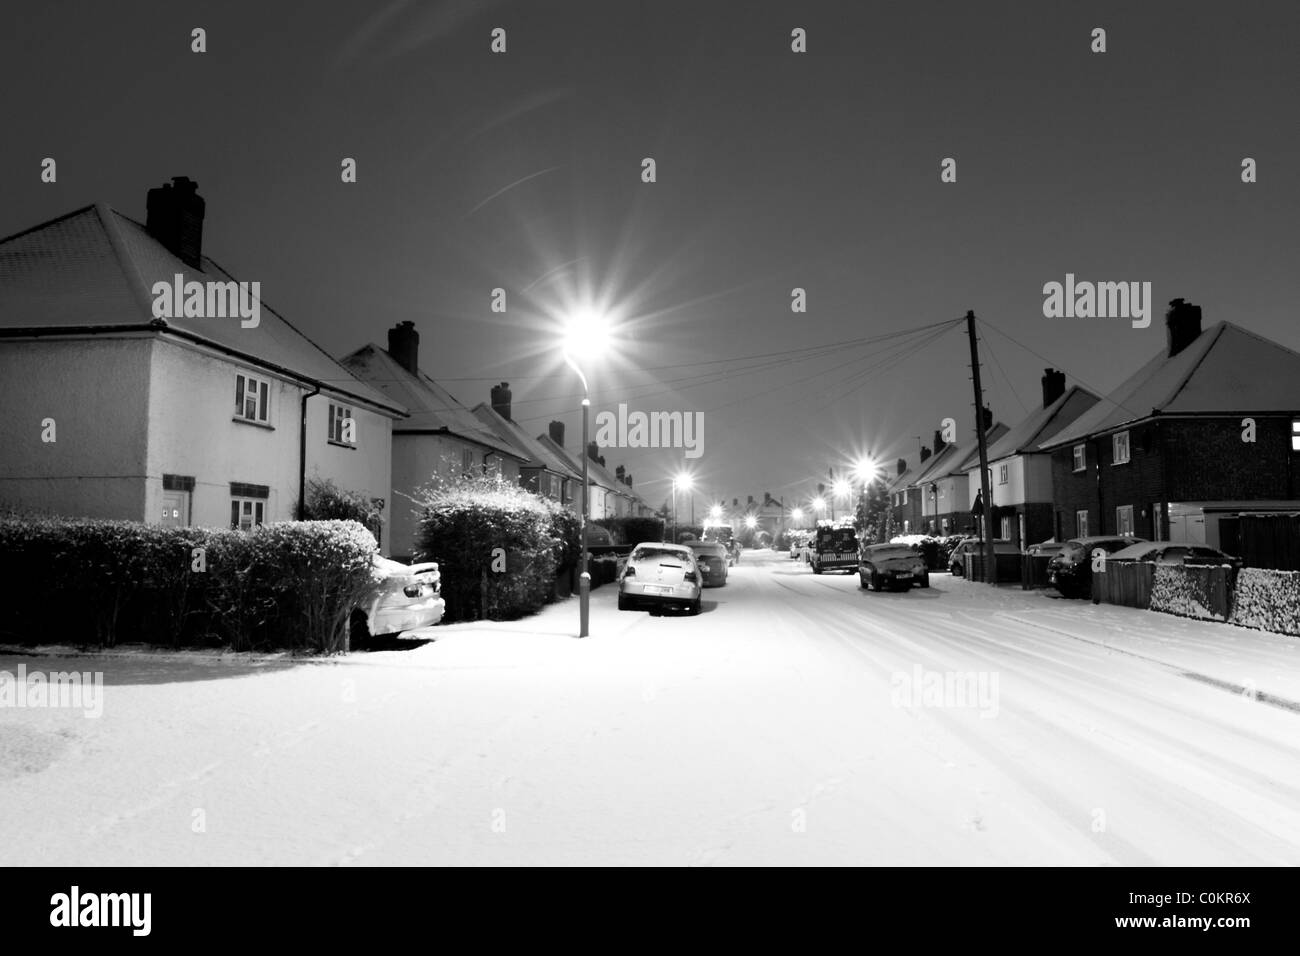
630,573
690,576
413,590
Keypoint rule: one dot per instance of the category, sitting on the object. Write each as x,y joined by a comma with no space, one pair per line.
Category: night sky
775,170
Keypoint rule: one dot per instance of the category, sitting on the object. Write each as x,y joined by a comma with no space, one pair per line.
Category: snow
771,729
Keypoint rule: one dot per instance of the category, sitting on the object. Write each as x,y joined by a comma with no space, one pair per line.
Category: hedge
1269,600
633,530
290,585
1185,591
498,546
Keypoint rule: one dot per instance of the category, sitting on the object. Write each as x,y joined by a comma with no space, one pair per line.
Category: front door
176,509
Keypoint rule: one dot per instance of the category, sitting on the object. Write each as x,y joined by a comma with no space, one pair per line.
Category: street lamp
819,505
684,482
584,338
841,489
797,515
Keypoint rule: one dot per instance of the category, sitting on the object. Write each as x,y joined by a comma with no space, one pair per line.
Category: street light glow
866,470
751,522
819,504
684,481
586,334
797,514
841,488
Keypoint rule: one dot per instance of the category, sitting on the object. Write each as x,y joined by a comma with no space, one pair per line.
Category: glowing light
797,514
866,469
586,334
841,488
751,522
819,504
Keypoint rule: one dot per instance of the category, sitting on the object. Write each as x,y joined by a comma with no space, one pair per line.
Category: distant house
1206,430
207,418
945,488
609,496
904,496
1020,476
542,470
441,437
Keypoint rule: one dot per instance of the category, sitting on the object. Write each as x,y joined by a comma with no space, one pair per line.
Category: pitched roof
95,268
596,472
432,407
537,454
1043,423
955,459
1225,370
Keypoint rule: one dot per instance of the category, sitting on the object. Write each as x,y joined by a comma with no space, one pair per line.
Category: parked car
724,536
405,597
1167,552
659,575
1070,571
834,549
713,561
892,565
956,562
1045,549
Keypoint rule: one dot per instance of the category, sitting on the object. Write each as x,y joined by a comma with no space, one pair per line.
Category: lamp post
682,480
585,335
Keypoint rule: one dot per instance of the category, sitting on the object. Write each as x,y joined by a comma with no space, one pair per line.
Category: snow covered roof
432,407
537,454
95,268
1225,370
1032,431
955,459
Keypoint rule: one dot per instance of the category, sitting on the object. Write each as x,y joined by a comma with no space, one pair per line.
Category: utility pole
990,561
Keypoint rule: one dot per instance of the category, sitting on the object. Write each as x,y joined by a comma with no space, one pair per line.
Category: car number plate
658,589
903,574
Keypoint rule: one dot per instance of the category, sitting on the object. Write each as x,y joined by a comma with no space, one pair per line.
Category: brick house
1020,476
945,488
1169,455
904,499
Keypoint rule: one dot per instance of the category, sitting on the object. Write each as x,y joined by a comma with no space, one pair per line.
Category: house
120,405
440,438
1206,430
543,471
1020,476
904,496
610,496
944,485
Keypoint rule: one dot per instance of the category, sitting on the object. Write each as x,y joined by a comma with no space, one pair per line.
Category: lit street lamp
585,337
684,482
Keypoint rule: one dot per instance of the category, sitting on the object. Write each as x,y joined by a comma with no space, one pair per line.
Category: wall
97,390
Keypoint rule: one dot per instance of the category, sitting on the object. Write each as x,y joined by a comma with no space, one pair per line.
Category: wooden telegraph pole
990,560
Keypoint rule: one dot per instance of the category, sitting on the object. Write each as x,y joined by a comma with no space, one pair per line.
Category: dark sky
775,170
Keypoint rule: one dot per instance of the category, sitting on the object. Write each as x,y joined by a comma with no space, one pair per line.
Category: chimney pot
557,433
404,346
501,400
902,465
938,441
174,216
925,453
1053,385
1182,325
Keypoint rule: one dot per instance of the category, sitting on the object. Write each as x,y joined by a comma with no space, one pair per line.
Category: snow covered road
798,720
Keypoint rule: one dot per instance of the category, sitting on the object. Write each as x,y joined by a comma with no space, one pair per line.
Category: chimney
735,502
751,499
404,346
621,474
902,465
501,400
593,452
174,216
938,441
1182,325
628,479
925,453
557,433
1053,385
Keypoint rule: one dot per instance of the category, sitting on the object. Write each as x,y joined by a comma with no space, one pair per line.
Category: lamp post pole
584,576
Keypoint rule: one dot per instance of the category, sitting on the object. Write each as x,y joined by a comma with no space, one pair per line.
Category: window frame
1003,471
334,425
1121,526
261,398
1081,523
1114,448
237,503
1080,452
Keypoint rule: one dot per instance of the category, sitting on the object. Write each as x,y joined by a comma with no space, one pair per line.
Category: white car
406,598
659,575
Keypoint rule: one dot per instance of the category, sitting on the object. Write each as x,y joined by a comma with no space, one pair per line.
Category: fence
1033,571
1263,541
1007,567
1127,583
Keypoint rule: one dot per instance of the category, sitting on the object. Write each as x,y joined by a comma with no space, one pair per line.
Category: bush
468,524
290,585
1186,592
325,501
1269,600
633,530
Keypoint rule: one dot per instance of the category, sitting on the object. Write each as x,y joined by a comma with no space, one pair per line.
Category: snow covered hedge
1269,600
633,530
1186,591
290,585
498,546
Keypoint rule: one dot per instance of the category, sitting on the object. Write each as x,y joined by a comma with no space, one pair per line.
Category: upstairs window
1295,434
1120,445
342,427
1080,457
1002,477
251,398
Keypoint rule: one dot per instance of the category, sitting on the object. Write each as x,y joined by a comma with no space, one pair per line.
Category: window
342,427
904,496
1124,519
1295,434
1120,443
1002,477
251,394
1004,531
1081,523
1080,458
246,513
467,461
